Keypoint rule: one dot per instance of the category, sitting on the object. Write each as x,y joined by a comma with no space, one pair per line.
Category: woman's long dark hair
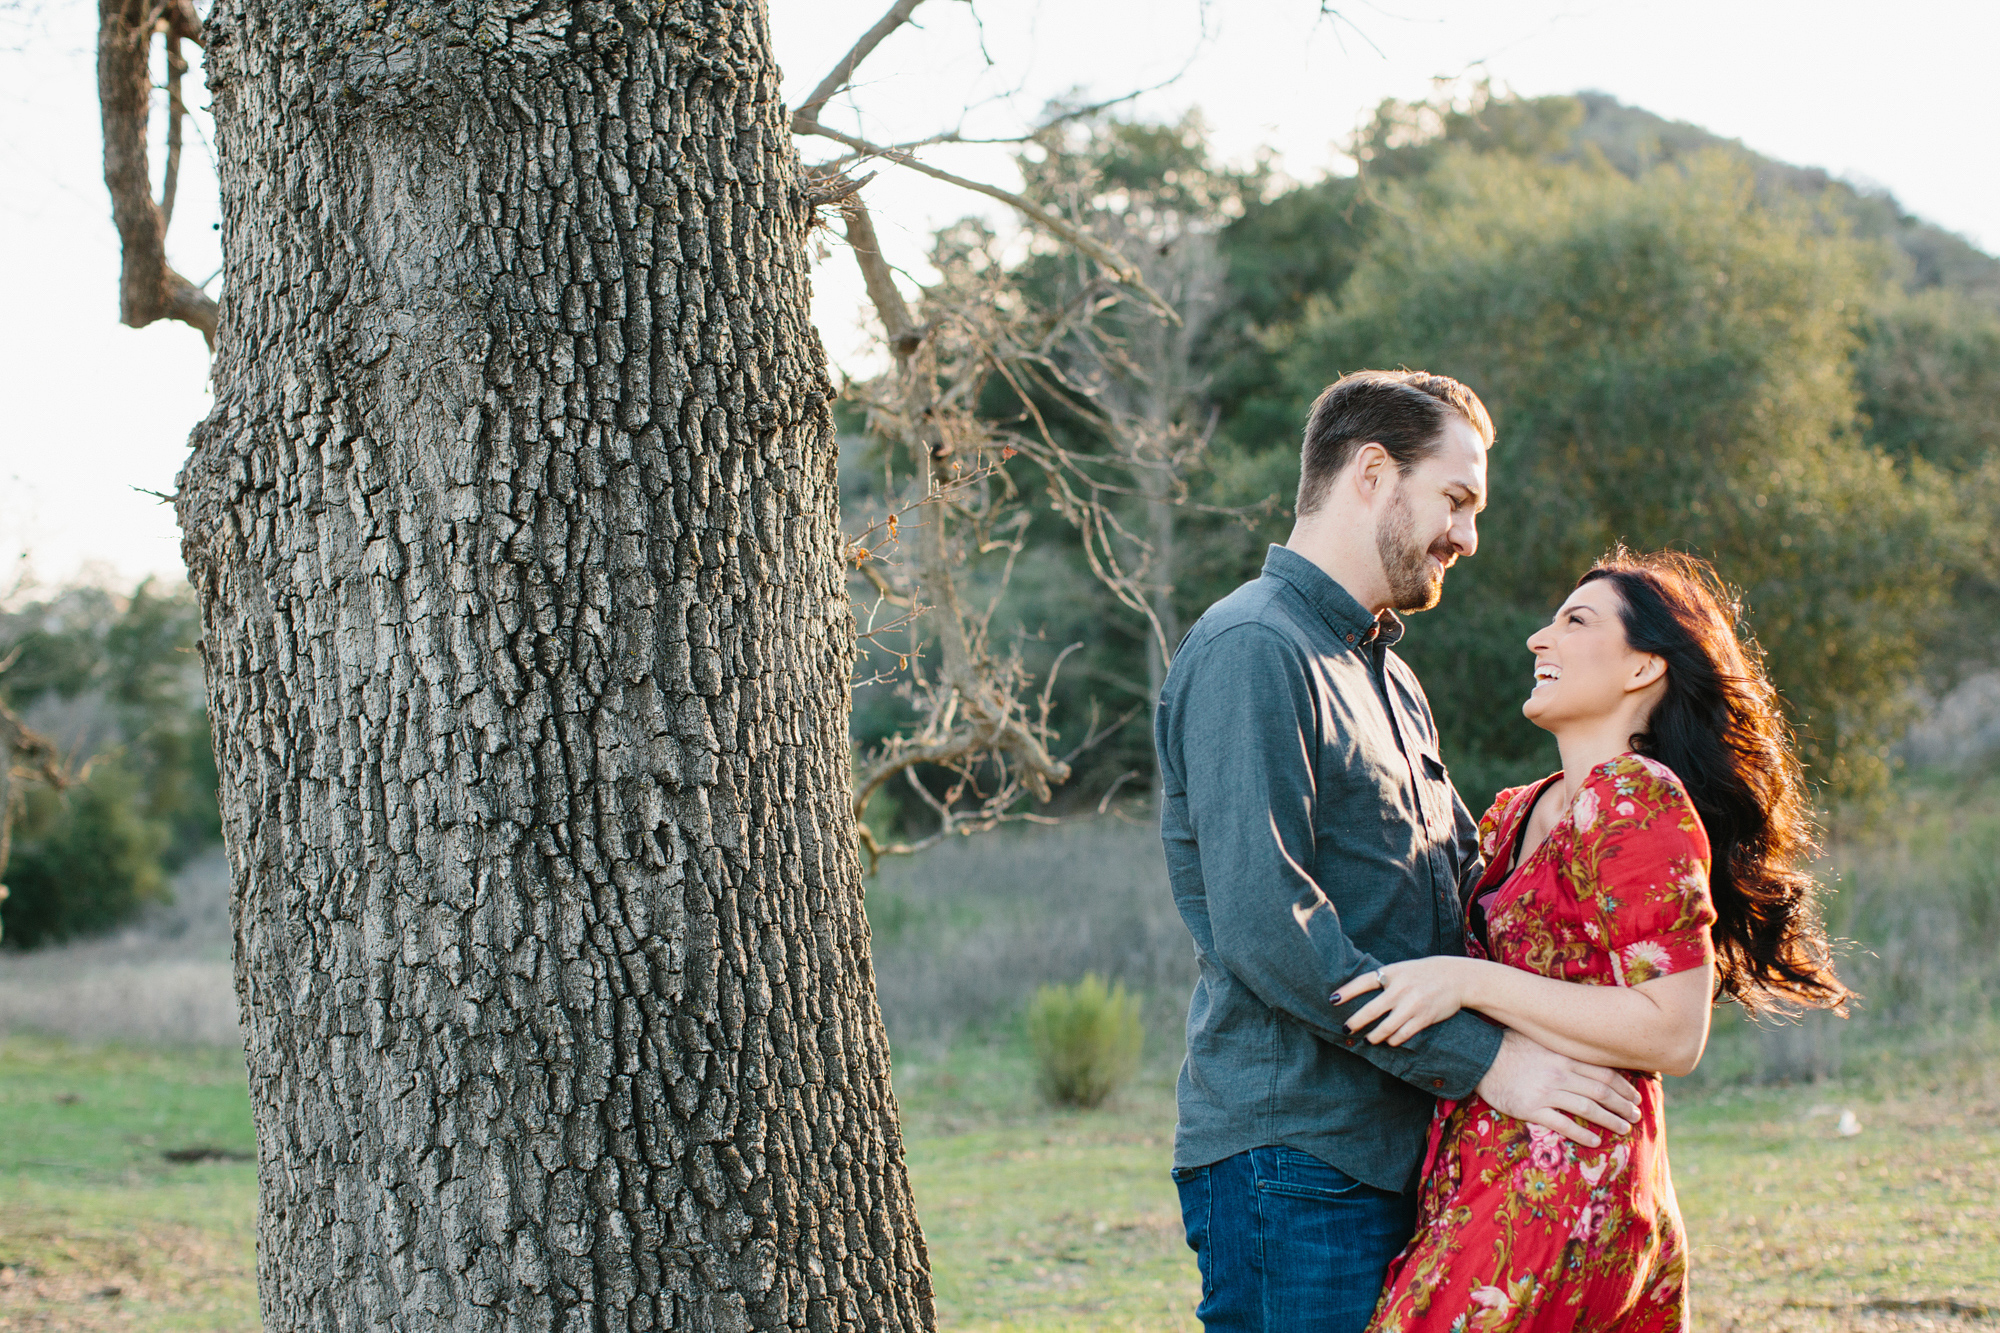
1719,728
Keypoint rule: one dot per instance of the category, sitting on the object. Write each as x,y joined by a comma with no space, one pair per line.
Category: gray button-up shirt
1311,833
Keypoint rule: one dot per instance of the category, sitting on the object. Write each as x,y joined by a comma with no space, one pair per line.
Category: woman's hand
1415,994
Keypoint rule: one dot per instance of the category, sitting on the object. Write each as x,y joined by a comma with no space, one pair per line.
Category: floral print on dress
1520,1230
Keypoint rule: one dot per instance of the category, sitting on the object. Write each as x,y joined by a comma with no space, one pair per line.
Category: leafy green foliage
1668,362
1087,1039
1686,344
1281,253
1928,369
83,860
116,683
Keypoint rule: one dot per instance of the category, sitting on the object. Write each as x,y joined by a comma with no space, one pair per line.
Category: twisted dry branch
973,717
148,288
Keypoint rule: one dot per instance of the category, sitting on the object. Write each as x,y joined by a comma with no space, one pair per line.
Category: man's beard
1414,583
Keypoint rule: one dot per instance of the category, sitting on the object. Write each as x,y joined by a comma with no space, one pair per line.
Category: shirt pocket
1435,781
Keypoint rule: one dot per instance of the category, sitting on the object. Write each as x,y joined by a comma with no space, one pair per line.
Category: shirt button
1437,1083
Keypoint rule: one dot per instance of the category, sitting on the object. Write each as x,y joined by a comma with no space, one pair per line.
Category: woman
1660,868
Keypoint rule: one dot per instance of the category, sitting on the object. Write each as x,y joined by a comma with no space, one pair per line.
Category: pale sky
92,413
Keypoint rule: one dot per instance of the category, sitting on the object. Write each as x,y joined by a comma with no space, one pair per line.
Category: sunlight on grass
1796,1225
98,1229
1046,1220
1039,1219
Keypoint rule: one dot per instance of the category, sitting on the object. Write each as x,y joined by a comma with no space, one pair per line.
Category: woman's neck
1585,745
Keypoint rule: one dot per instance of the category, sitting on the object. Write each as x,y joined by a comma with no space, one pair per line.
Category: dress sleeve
1639,866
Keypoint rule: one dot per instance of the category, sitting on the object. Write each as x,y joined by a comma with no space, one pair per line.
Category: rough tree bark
515,531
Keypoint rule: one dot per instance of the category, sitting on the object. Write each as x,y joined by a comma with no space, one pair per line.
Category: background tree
1656,305
1134,380
969,734
1093,375
24,756
1553,250
514,530
120,742
1928,371
1667,361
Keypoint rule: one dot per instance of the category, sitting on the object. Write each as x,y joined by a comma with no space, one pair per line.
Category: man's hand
1531,1082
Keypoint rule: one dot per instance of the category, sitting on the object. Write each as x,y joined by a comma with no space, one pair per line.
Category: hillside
1635,140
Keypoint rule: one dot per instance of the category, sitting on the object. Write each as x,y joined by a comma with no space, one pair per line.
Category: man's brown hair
1404,411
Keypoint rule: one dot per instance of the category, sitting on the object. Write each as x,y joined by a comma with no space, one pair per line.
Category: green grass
1041,1219
1797,1226
97,1228
1047,1220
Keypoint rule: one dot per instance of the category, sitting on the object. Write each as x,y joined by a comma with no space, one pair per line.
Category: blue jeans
1288,1244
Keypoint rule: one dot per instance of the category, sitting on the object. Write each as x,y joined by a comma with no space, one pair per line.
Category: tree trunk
515,531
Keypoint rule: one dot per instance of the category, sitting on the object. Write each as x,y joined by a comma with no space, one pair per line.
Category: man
1312,834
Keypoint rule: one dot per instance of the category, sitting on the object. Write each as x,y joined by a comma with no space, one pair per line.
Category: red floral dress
1521,1230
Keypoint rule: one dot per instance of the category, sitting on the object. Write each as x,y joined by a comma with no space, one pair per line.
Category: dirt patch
1942,1315
205,1153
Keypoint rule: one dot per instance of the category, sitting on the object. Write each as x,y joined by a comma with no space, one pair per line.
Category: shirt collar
1343,615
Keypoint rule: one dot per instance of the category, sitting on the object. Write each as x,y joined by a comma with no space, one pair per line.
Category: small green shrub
1086,1038
84,860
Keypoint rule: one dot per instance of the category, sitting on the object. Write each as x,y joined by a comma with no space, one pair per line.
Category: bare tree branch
954,137
972,712
1126,273
880,282
980,740
27,746
805,119
176,112
17,742
149,289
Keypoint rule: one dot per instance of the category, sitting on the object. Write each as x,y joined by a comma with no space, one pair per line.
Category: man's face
1431,518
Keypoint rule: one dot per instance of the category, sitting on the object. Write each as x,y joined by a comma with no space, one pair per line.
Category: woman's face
1584,668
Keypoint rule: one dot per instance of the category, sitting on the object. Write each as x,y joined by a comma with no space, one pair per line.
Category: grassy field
98,1228
1050,1220
1046,1220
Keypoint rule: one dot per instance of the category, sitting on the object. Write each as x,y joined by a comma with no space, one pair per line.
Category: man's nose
1465,535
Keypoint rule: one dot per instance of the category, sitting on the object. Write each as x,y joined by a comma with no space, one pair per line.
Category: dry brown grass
70,1270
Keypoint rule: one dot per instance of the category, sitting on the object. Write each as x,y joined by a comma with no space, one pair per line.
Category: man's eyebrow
1477,493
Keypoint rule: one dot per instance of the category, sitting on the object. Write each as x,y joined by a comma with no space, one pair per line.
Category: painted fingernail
1333,998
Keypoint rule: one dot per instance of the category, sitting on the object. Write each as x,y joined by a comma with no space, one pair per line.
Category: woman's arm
1660,1024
